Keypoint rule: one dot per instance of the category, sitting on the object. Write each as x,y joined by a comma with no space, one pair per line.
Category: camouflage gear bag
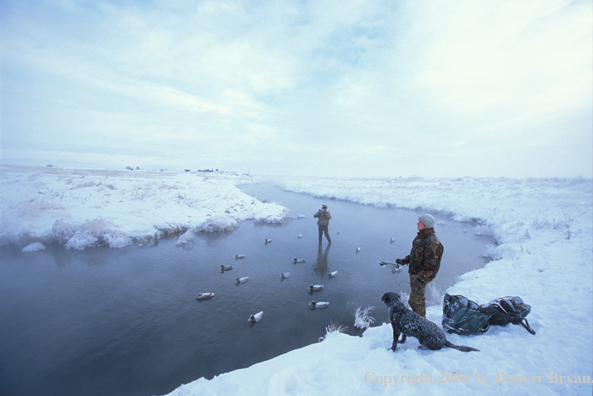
463,316
505,310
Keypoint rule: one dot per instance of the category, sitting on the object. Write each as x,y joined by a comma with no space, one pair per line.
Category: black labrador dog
408,323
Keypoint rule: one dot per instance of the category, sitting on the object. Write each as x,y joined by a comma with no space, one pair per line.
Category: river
127,322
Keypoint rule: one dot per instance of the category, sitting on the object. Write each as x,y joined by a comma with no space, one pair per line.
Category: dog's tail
461,348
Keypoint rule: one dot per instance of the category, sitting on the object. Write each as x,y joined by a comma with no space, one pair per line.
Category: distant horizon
157,169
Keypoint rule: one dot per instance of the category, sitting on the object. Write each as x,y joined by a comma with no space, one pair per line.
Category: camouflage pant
323,229
417,299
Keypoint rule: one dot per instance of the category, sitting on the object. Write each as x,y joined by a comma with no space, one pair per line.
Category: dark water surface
126,321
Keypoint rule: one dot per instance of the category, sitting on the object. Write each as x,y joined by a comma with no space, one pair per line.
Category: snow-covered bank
544,254
82,208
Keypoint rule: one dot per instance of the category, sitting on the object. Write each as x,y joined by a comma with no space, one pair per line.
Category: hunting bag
461,316
504,310
465,317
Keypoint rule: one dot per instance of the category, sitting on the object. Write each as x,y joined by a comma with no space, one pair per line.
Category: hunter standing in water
323,216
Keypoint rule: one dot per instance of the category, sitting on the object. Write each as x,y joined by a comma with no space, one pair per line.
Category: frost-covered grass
84,208
362,317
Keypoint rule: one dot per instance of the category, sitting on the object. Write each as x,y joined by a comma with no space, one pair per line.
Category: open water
126,321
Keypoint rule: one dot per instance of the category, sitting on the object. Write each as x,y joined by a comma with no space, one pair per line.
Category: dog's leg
396,334
403,339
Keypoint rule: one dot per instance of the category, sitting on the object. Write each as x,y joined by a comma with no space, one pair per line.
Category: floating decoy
333,274
284,275
299,236
226,267
256,318
204,296
357,250
268,241
392,240
396,267
320,304
315,288
239,256
242,280
295,260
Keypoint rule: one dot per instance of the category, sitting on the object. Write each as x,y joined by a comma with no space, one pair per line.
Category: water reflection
321,265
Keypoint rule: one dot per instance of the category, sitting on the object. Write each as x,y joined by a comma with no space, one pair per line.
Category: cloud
293,86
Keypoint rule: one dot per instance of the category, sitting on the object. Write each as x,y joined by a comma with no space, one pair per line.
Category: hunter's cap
427,220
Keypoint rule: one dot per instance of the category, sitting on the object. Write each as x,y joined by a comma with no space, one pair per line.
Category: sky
314,88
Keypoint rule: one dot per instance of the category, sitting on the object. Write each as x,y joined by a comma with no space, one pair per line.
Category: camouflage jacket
323,216
426,254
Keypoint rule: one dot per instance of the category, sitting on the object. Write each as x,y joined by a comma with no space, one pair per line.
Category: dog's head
390,298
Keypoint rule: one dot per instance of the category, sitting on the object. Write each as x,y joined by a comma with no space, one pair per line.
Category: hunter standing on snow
323,217
424,261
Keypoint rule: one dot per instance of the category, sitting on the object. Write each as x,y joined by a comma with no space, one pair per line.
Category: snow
543,253
33,247
85,208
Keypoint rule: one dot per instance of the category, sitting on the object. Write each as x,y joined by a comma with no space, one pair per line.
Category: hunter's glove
419,282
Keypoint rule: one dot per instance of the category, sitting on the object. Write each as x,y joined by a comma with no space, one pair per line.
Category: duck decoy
295,260
395,267
315,288
320,304
226,267
391,240
242,280
239,256
284,275
332,274
299,236
357,250
256,317
267,241
204,296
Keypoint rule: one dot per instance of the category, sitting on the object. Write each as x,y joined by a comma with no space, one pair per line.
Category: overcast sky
337,88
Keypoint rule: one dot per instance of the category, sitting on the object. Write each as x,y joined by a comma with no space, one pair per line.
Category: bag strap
525,324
